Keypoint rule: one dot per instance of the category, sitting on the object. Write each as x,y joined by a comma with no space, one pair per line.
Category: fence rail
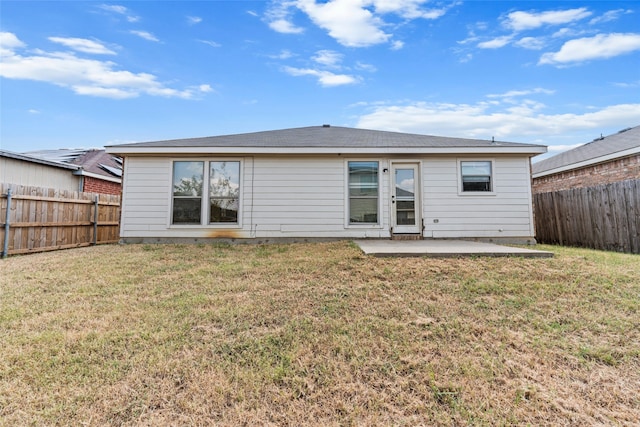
38,219
601,217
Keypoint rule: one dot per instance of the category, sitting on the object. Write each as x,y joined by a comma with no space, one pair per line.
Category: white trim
493,149
589,162
204,199
237,224
82,172
417,196
476,193
347,222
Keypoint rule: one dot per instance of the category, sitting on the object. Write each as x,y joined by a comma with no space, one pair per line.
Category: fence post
95,221
5,250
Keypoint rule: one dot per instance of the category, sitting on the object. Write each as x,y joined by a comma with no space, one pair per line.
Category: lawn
317,334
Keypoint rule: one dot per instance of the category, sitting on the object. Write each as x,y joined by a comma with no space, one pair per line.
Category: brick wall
95,185
603,173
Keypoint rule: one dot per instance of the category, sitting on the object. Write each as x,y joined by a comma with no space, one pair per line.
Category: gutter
82,172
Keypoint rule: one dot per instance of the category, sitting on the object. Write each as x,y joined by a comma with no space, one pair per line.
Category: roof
32,159
617,145
91,162
324,139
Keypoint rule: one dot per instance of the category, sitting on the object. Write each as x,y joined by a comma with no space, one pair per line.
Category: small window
363,192
476,176
224,191
187,192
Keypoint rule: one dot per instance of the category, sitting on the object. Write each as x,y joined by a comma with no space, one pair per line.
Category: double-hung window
476,176
224,191
188,179
363,192
211,187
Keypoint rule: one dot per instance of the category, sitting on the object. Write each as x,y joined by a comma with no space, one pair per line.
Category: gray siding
305,196
13,171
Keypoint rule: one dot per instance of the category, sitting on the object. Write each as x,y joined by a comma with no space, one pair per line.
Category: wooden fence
43,219
601,217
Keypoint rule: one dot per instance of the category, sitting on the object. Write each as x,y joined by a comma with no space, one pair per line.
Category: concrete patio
444,249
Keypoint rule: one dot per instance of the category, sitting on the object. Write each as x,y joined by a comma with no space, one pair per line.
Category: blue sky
87,74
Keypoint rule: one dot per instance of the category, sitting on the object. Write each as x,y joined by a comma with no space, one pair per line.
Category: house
99,171
92,171
604,160
21,169
326,182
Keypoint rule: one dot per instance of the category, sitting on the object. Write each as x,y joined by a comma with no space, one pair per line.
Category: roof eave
18,156
494,149
82,172
588,162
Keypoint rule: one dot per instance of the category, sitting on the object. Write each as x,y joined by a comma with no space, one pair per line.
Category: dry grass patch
317,334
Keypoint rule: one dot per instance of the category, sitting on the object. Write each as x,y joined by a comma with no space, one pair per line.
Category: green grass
317,334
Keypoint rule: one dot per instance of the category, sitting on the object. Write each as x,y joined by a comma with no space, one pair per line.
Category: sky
76,74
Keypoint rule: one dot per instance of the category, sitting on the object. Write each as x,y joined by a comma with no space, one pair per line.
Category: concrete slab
443,248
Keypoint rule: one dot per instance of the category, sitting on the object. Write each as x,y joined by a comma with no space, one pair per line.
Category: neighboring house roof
32,159
91,162
621,144
325,139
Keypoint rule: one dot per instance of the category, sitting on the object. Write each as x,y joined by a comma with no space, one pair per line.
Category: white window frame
204,202
476,193
347,205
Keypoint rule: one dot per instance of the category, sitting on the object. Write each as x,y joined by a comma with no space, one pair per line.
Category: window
476,176
363,192
187,192
224,189
216,187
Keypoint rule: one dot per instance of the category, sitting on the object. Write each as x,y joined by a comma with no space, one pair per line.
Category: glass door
405,198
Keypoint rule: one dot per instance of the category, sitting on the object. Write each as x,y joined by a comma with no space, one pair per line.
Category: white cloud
347,21
352,23
496,43
519,20
531,43
628,84
410,9
486,119
9,42
601,46
285,27
193,20
610,15
145,35
328,58
84,76
397,45
366,67
279,18
210,43
121,10
83,45
325,78
284,54
514,93
33,111
568,32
